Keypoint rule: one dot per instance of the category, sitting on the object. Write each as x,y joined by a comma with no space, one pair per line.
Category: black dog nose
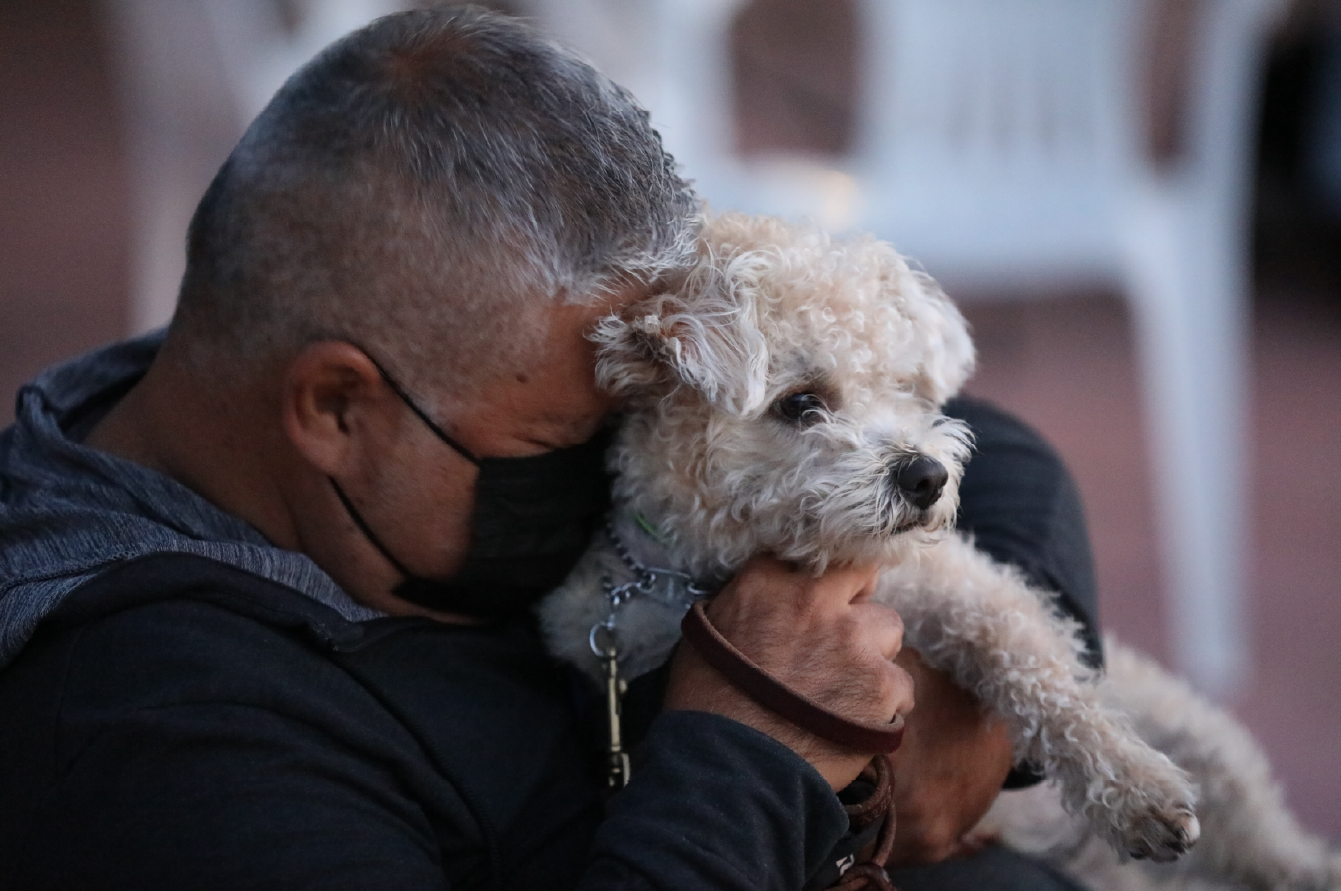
921,480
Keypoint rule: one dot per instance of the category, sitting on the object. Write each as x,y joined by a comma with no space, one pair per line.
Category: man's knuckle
892,687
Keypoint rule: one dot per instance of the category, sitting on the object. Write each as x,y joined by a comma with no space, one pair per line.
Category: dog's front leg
979,621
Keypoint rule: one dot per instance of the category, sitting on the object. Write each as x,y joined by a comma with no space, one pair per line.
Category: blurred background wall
76,174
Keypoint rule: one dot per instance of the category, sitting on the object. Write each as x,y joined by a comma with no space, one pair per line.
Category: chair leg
1188,293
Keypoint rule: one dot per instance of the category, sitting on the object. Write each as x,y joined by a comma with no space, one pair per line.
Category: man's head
443,200
421,188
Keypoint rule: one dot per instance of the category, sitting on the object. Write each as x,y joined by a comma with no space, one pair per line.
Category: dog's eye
800,408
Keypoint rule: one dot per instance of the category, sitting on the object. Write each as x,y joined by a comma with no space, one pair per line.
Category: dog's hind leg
1001,640
1249,839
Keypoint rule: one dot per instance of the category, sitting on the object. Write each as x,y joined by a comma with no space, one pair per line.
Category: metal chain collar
666,585
679,589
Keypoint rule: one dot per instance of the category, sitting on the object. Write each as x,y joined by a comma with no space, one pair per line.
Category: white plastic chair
1001,144
193,73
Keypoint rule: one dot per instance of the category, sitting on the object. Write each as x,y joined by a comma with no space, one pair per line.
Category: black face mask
533,518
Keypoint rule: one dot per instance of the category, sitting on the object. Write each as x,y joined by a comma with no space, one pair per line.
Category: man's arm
949,769
715,804
183,744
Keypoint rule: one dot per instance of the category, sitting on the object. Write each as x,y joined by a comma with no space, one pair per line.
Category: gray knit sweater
67,511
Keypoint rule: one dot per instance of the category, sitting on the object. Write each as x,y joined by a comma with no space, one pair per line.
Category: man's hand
823,637
949,769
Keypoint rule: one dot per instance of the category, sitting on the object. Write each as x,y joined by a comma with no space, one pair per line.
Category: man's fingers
950,767
880,626
839,585
897,691
824,636
847,585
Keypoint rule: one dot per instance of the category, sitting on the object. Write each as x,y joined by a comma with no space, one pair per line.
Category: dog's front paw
1143,804
1162,835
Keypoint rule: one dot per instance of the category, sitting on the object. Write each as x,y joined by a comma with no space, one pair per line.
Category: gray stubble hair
418,188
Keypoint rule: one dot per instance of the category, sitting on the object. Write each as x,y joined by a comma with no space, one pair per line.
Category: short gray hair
437,152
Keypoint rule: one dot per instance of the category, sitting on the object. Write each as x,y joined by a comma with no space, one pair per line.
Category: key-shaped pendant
618,759
605,647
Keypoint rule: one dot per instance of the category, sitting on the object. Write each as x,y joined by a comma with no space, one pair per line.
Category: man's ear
702,338
331,389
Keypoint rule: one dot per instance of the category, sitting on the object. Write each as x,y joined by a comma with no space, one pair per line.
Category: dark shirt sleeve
219,796
716,804
179,745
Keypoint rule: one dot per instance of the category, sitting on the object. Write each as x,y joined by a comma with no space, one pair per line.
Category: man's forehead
546,393
565,322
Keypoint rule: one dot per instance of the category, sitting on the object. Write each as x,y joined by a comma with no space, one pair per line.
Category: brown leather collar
777,697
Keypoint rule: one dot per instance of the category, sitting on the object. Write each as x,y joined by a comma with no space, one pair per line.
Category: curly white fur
712,455
774,310
1249,839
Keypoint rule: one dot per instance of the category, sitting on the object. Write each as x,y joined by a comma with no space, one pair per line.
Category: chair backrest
998,134
999,140
675,57
1022,106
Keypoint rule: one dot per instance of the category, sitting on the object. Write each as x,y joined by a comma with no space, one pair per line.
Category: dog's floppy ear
949,358
704,336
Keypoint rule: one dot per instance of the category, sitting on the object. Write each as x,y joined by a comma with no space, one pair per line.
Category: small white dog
785,399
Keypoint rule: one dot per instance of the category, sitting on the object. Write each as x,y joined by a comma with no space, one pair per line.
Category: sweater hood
68,512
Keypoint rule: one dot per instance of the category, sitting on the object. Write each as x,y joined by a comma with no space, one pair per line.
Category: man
265,580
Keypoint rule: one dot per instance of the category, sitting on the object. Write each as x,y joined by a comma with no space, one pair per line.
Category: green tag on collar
646,526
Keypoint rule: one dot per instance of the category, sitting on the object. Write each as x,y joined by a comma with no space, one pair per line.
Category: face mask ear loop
367,532
419,412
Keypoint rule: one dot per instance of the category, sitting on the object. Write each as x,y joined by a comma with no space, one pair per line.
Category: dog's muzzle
919,481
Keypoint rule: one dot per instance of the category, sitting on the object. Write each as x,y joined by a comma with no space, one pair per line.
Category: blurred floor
1066,366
